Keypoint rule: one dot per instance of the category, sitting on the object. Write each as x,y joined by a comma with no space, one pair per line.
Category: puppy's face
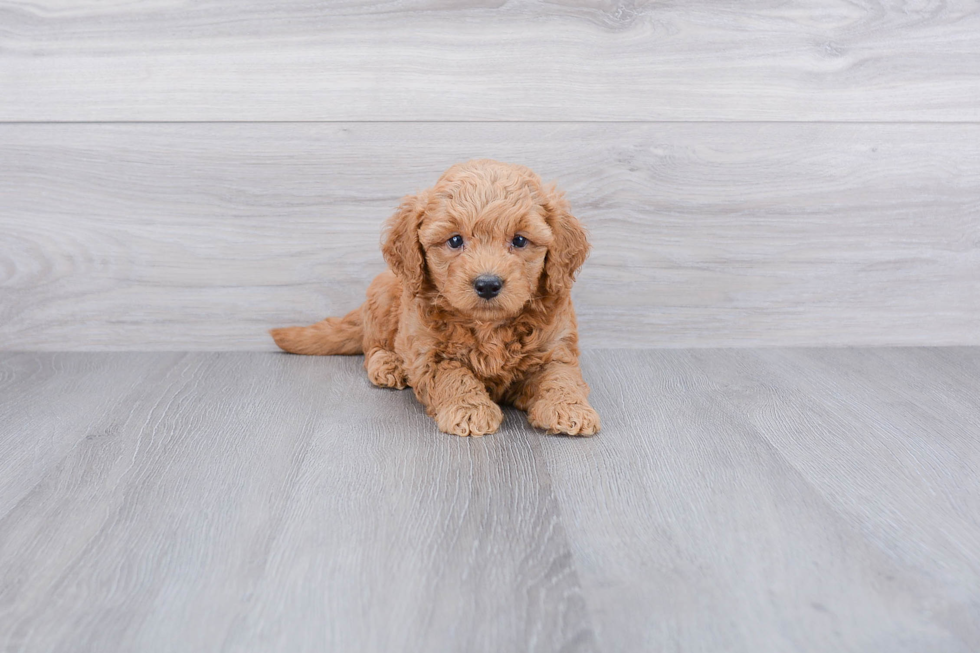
485,248
488,238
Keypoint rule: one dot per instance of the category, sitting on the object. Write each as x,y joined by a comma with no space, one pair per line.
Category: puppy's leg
457,400
381,312
556,400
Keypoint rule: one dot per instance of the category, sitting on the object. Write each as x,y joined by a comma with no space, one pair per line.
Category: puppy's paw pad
385,370
577,418
475,421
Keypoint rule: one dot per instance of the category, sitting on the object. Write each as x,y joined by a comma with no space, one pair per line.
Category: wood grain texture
737,500
40,393
777,500
244,502
431,60
202,236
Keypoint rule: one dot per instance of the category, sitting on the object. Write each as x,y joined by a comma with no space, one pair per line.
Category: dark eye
455,242
519,241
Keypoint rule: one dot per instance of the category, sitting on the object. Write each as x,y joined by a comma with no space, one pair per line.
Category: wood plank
427,60
255,502
78,391
893,444
775,500
202,236
738,500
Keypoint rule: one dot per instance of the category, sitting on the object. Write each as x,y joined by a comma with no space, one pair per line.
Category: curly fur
423,325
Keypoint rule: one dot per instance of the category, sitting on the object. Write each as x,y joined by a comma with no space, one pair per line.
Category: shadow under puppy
476,306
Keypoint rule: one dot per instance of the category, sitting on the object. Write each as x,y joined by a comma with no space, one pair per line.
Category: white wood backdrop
185,175
478,60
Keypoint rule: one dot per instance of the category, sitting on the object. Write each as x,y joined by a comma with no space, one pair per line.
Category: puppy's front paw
470,420
576,418
385,370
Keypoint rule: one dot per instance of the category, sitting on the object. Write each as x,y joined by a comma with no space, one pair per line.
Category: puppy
475,308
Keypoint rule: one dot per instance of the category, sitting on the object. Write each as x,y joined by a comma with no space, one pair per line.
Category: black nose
488,286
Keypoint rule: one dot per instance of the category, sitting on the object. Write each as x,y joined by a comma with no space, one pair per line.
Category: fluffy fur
423,324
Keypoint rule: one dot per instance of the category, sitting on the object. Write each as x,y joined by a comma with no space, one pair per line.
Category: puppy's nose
488,285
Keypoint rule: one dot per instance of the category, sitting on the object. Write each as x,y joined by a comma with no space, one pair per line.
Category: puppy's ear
401,247
570,246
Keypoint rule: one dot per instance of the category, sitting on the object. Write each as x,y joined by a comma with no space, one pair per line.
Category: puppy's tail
334,335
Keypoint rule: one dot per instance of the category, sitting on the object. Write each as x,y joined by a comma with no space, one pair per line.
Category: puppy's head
488,239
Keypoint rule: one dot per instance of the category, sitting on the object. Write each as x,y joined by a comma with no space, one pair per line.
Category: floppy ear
570,246
401,247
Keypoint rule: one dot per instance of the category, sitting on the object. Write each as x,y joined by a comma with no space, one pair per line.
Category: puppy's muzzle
488,286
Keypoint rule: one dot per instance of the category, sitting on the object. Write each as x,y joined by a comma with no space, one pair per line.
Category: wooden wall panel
428,60
202,236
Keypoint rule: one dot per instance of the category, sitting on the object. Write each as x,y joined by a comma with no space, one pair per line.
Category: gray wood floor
737,500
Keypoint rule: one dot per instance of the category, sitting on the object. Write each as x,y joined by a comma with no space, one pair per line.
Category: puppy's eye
455,242
519,241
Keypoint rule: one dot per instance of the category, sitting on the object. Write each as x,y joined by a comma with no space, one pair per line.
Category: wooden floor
736,500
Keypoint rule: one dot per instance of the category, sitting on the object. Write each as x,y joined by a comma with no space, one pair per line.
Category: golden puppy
476,306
